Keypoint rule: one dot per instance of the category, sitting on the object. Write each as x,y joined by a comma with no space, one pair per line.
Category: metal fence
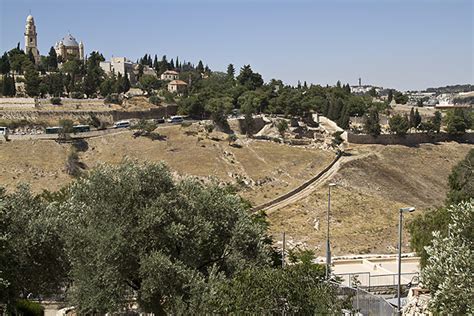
358,301
369,281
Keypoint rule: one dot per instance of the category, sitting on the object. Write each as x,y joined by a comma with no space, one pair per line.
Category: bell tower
31,43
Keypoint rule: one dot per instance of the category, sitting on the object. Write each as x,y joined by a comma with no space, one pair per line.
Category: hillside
260,169
372,183
370,189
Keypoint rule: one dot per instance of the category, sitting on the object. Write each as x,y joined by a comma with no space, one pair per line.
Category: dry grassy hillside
262,169
370,189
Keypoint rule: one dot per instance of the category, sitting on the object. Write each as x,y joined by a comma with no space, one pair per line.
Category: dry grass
278,167
370,190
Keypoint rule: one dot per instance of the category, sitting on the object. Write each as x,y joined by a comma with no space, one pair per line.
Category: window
31,39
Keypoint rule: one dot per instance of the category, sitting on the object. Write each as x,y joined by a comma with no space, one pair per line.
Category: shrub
113,98
28,308
337,138
209,128
55,100
77,95
154,100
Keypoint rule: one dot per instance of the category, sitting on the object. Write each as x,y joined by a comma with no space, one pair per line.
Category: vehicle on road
122,124
81,128
4,130
53,130
176,119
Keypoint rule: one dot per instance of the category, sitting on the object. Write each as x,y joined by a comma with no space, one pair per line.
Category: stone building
120,65
68,48
169,75
31,40
177,86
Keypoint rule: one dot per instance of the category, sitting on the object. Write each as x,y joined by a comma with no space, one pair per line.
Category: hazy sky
401,44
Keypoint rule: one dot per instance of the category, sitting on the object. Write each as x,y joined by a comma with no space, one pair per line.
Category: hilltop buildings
31,39
68,48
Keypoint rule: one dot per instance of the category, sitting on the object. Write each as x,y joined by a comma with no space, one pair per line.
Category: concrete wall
409,139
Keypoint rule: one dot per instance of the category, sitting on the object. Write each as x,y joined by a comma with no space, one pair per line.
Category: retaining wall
409,139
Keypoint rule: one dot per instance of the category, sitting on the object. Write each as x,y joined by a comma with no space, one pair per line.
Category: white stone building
119,65
68,48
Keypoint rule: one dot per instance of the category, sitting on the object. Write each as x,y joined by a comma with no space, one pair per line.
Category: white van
176,119
122,124
4,130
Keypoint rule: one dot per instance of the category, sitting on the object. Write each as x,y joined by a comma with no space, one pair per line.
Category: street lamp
401,211
328,245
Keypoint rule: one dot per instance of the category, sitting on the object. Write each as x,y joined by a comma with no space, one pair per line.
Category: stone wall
238,125
78,115
408,139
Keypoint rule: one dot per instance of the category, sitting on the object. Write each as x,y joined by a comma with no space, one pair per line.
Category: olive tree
133,232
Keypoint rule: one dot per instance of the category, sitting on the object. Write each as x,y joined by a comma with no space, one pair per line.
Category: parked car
160,120
122,124
176,119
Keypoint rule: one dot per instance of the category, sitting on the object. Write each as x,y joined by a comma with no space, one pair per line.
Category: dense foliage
449,271
132,233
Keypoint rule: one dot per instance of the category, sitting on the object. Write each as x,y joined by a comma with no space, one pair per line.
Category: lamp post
328,245
401,211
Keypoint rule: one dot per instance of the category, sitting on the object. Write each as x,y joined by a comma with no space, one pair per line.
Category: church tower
31,43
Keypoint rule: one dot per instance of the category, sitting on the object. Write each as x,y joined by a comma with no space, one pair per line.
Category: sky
405,44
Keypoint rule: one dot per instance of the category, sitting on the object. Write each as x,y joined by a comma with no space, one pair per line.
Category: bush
209,128
77,95
28,308
154,100
113,98
55,100
337,138
399,124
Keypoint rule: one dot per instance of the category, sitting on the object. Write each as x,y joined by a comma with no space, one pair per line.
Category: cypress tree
4,64
412,118
417,119
200,67
52,59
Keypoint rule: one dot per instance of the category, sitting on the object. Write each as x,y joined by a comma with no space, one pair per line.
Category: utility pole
283,252
328,244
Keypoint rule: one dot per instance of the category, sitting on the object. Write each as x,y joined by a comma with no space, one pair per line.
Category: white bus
122,124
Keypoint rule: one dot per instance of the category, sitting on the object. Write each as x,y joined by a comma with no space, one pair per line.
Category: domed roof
69,40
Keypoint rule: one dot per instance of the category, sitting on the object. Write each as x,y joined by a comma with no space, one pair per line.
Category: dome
69,40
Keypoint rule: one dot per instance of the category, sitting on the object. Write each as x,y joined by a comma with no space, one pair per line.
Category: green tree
437,121
148,83
282,126
298,289
371,124
250,102
200,67
461,180
417,119
400,98
230,71
52,60
449,271
4,64
54,83
32,257
399,124
32,81
390,96
219,108
152,236
412,118
8,87
251,80
457,121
